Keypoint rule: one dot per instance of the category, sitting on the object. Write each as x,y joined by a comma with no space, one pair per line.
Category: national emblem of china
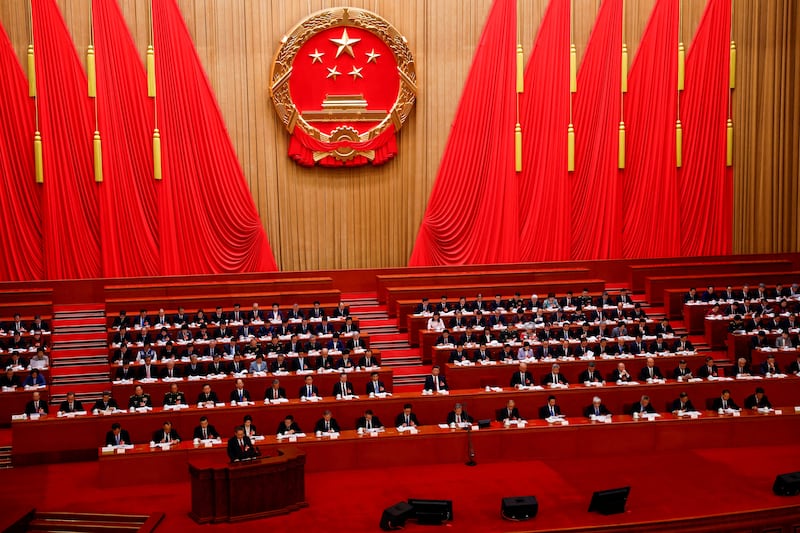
343,83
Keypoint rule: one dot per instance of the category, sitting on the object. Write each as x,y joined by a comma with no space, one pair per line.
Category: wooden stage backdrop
368,217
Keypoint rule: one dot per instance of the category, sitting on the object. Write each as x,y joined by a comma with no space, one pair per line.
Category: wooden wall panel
368,217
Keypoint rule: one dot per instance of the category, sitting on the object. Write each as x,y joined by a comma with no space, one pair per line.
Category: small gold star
345,44
332,73
372,57
316,56
356,72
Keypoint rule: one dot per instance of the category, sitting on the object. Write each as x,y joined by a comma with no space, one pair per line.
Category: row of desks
54,439
434,446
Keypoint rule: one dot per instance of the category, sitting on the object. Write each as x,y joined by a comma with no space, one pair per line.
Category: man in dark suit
327,424
724,402
341,311
650,371
368,360
36,405
148,370
659,346
375,385
550,409
9,379
682,404
794,368
240,447
194,368
458,416
217,366
621,373
125,372
105,403
205,430
239,393
275,391
742,368
316,312
555,376
509,412
683,345
166,434
169,371
207,396
288,426
522,377
708,370
770,366
682,371
407,418
758,400
70,405
590,375
343,387
121,320
643,406
434,382
597,408
309,390
117,436
369,421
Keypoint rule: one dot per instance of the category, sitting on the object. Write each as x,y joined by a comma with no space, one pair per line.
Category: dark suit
602,410
704,371
238,452
282,429
647,374
343,389
330,426
752,401
544,411
685,406
592,376
194,370
269,394
100,405
719,403
165,373
372,386
429,383
517,378
235,395
30,407
503,413
212,397
124,438
400,420
375,423
65,407
639,408
616,376
368,361
304,391
766,369
451,417
554,378
211,433
143,372
160,436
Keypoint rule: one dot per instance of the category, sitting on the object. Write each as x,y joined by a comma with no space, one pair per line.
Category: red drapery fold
544,186
125,116
71,236
208,222
596,199
705,183
475,189
650,179
302,148
20,197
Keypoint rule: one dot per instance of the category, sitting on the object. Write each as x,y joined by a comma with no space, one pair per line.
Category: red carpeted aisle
664,486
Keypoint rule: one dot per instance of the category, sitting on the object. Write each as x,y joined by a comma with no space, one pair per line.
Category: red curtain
466,220
208,222
20,197
596,199
544,185
71,236
705,183
125,116
650,194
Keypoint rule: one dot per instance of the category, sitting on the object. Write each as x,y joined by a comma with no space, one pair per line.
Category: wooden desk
61,439
433,445
223,492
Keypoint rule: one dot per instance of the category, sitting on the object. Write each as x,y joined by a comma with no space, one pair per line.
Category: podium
248,490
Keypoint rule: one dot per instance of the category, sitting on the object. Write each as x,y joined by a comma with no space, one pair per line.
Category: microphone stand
470,448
